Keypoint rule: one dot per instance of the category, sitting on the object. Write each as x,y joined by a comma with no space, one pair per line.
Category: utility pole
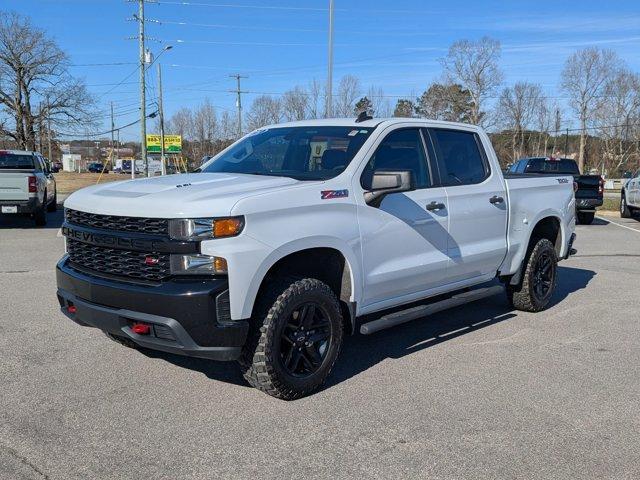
161,112
118,145
40,127
49,128
143,96
566,143
113,127
329,99
239,92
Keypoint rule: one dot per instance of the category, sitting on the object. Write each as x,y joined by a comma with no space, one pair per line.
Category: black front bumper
187,316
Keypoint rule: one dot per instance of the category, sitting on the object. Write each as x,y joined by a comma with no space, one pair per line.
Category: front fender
298,245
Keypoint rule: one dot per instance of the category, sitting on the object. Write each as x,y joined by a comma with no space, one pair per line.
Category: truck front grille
153,267
155,226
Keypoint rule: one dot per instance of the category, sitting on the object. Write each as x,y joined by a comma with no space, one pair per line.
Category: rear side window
544,165
400,150
460,160
10,161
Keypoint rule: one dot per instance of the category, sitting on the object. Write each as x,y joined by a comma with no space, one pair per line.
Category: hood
175,196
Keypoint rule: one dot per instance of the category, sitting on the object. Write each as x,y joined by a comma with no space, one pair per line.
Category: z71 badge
329,194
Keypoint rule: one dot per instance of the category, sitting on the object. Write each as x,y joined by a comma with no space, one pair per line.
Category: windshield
544,165
10,161
303,153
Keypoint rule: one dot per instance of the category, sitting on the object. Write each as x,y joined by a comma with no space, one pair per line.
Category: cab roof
371,123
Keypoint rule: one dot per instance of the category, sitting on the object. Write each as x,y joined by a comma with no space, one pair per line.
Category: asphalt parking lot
476,392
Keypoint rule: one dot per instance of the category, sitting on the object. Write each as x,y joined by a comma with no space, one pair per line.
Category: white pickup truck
27,186
302,232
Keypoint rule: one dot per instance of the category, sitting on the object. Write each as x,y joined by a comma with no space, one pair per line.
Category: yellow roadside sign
172,143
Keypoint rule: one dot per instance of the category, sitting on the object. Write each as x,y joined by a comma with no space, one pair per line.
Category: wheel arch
548,225
327,260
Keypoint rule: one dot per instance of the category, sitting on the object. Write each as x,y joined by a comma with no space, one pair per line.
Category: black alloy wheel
305,340
543,275
294,338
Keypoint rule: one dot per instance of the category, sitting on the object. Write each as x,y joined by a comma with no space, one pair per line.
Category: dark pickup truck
590,188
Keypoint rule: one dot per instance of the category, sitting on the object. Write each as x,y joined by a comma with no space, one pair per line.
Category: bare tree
544,119
557,125
265,110
33,70
346,96
228,126
181,123
205,128
517,108
380,104
315,102
295,104
615,115
474,66
583,79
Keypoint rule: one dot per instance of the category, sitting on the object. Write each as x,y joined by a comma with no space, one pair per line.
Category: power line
101,64
256,7
238,27
253,44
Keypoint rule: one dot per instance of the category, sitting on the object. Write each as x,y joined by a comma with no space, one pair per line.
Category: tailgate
589,186
14,185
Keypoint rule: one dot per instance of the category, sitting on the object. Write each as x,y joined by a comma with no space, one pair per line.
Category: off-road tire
625,211
53,206
523,297
121,340
586,218
40,215
260,360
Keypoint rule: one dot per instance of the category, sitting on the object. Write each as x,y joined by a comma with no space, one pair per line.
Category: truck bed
533,196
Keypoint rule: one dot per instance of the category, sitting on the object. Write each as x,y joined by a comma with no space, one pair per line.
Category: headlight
198,265
204,228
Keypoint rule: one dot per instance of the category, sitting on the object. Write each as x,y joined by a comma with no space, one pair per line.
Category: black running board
414,313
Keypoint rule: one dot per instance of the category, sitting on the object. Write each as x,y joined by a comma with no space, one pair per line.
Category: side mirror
384,182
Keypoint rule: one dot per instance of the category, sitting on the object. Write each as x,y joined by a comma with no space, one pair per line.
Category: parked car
303,232
590,188
56,167
97,167
630,196
27,186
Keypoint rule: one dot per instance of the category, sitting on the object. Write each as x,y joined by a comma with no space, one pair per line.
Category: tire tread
258,358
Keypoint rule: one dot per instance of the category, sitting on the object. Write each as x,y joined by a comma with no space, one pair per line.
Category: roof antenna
363,117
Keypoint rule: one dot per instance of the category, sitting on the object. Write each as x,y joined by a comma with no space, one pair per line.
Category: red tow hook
72,309
141,328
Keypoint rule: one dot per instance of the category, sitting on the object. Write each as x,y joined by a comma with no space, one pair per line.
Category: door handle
495,199
435,206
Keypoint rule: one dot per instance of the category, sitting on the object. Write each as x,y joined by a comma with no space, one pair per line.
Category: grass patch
612,204
69,182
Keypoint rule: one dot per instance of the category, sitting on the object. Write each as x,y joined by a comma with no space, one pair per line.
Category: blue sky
281,43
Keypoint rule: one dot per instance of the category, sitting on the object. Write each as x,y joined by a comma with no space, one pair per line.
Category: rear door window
460,159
